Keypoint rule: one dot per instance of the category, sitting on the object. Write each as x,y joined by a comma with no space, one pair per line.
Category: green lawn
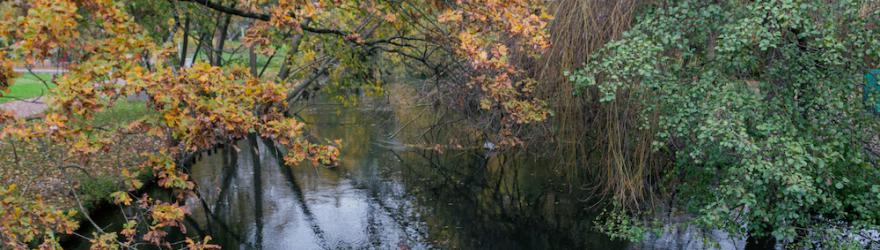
122,113
241,58
27,85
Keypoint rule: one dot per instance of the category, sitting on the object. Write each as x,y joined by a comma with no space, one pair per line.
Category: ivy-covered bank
761,111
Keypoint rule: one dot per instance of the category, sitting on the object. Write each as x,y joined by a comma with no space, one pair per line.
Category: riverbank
32,166
24,165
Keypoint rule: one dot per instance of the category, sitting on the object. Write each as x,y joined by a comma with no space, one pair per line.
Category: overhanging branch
229,10
258,16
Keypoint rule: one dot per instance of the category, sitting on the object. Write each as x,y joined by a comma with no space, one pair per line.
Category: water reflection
395,189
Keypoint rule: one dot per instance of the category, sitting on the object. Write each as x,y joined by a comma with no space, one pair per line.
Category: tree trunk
199,48
220,40
252,61
185,45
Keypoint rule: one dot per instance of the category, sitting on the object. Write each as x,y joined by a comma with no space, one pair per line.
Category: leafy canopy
760,104
118,49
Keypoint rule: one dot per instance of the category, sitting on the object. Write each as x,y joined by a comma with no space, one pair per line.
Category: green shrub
760,103
95,190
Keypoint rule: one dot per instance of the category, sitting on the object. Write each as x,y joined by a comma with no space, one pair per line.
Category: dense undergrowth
760,111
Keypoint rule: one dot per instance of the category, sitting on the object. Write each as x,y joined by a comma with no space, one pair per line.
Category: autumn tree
119,49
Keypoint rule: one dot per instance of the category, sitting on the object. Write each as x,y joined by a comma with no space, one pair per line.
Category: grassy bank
28,164
122,113
28,85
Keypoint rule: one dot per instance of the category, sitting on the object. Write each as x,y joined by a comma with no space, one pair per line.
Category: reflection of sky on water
408,198
319,213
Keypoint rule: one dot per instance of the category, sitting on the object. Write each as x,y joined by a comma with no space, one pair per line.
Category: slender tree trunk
199,48
252,59
209,46
220,39
185,45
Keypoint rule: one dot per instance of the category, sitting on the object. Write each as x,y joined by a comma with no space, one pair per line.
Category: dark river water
408,179
394,189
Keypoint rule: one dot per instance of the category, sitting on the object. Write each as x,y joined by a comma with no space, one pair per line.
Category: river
410,177
394,189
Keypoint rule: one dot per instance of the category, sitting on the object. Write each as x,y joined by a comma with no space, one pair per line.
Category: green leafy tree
761,108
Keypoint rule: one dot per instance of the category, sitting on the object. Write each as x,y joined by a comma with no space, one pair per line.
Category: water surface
409,179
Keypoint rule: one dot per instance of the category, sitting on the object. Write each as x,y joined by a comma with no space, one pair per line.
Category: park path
32,106
40,70
26,108
35,106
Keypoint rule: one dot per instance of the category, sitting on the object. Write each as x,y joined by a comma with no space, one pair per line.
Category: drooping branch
264,17
230,10
258,16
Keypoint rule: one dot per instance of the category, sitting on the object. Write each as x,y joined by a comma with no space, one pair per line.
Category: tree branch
259,16
228,10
